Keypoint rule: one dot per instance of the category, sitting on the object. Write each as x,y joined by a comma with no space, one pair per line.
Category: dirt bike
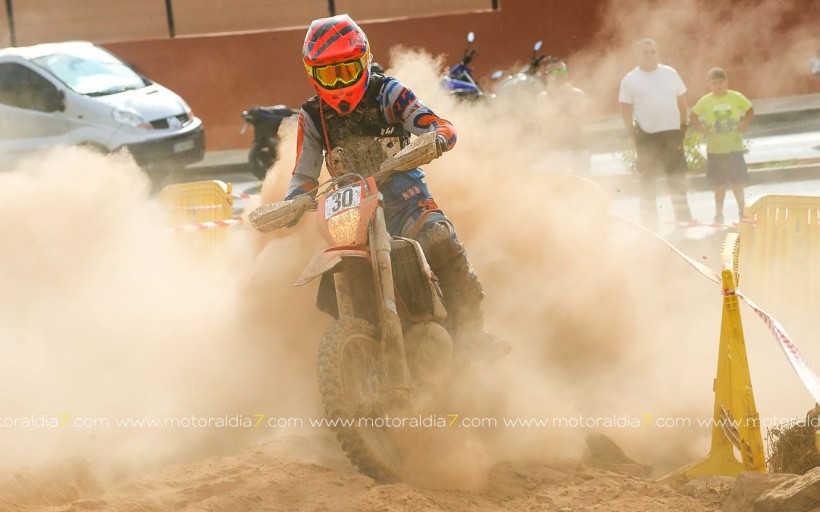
529,76
265,122
387,344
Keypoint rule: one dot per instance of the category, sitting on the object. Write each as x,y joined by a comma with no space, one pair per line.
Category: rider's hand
441,144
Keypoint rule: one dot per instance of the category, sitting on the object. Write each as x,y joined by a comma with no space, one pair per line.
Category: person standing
567,110
654,110
723,116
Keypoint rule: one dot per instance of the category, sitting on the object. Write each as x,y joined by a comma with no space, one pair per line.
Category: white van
76,93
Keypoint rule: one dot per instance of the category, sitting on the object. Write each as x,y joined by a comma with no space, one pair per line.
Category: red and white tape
207,225
807,376
199,207
798,362
699,224
244,196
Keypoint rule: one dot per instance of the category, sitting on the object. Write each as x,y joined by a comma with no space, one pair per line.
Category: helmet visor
335,76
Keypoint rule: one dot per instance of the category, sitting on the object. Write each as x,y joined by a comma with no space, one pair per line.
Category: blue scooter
459,78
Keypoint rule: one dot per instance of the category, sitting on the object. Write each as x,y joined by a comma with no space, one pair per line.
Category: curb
630,183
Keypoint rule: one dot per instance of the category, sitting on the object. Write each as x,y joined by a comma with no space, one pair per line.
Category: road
775,148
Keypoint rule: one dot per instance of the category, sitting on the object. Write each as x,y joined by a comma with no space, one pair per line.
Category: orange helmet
337,60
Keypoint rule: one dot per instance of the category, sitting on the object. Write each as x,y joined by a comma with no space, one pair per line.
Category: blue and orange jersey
398,104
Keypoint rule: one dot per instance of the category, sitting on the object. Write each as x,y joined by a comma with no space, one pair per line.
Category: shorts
726,168
660,150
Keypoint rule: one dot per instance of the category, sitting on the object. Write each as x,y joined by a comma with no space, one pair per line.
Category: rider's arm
309,156
400,105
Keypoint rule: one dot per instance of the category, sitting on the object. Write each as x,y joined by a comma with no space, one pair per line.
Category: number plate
343,199
185,145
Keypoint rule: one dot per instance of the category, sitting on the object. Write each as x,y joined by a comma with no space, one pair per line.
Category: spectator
723,116
567,108
654,111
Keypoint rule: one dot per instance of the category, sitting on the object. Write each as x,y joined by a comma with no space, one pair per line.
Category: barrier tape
244,196
199,207
798,362
807,376
699,224
207,225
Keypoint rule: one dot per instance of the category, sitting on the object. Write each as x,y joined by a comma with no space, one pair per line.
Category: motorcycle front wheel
350,384
262,156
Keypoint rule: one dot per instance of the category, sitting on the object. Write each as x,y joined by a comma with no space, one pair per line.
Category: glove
441,144
303,202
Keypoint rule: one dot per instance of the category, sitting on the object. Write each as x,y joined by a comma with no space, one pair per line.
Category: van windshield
92,71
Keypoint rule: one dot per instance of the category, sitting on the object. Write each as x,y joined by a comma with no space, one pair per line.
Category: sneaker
719,218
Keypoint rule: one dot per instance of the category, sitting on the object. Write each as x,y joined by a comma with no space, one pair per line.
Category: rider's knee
439,242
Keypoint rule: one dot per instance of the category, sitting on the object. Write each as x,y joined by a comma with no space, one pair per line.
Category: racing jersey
378,127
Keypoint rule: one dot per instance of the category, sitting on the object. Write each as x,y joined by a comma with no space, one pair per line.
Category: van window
23,88
91,71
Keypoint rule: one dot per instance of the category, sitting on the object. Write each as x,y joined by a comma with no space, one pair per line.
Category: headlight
343,227
130,119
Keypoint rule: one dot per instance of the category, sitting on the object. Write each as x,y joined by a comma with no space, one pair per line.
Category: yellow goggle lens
338,75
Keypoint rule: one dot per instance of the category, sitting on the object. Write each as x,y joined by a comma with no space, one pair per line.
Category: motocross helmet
555,67
337,60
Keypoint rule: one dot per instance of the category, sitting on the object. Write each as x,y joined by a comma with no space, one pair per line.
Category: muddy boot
462,293
465,319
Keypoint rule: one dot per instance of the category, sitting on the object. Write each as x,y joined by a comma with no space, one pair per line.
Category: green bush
695,159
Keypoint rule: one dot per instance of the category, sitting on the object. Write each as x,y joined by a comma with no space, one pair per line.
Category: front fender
327,260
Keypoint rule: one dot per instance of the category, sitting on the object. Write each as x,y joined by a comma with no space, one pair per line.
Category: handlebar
422,150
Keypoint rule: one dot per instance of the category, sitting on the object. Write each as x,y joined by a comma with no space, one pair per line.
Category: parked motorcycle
529,76
387,346
265,122
459,79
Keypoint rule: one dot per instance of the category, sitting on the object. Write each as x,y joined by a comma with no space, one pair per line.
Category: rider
357,120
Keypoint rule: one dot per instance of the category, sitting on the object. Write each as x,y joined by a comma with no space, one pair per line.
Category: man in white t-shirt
654,111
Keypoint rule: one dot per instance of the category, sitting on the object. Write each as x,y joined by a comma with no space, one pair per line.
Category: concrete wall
221,76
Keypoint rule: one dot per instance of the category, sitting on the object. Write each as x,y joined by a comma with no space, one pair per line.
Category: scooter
459,79
387,346
265,122
528,76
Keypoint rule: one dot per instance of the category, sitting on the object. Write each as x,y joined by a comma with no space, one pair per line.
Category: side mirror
497,74
537,46
470,37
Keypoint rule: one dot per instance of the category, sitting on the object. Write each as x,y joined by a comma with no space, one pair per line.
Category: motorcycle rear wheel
262,156
350,385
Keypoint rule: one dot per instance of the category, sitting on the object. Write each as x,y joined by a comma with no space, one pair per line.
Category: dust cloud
598,311
760,44
106,315
608,323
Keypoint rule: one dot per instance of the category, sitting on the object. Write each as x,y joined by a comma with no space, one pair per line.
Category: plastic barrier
201,203
736,421
780,248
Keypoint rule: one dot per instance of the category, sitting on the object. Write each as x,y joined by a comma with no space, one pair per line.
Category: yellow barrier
781,248
736,421
197,202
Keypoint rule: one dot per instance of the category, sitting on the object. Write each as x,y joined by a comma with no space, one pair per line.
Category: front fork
394,359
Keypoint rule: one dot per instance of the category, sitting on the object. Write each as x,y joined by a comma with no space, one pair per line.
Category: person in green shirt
723,116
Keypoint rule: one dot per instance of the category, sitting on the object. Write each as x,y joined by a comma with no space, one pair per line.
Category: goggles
336,76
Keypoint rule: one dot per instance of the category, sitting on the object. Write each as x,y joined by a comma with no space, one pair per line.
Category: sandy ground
299,473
